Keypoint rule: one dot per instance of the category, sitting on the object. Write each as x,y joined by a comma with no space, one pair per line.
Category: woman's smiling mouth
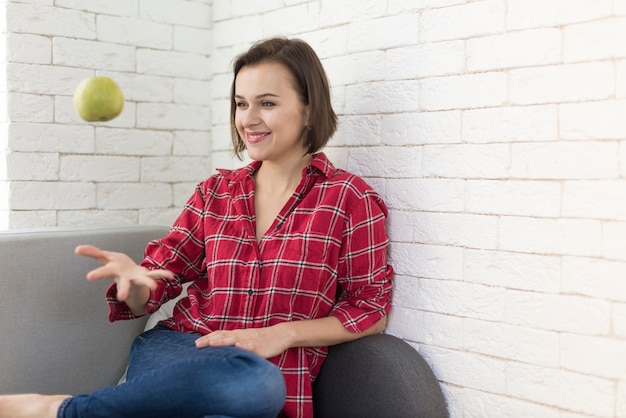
255,137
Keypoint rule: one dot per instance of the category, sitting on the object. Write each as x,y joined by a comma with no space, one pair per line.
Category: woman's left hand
266,342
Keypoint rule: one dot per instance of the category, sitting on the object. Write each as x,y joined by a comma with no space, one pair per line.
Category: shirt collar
320,163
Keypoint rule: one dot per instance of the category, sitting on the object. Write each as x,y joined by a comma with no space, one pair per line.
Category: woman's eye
240,104
267,104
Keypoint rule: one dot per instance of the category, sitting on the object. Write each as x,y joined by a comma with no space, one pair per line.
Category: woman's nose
250,117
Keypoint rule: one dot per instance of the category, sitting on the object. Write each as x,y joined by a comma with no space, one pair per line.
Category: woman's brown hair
311,84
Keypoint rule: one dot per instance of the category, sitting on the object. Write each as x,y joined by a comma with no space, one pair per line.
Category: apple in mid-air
98,99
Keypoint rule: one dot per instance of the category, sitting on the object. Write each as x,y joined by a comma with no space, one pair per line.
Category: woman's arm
272,341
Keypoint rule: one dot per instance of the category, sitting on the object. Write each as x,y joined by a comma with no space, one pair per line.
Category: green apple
98,99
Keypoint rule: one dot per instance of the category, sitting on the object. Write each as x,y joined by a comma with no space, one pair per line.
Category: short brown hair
311,84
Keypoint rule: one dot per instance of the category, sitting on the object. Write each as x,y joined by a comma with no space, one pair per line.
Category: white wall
493,128
138,168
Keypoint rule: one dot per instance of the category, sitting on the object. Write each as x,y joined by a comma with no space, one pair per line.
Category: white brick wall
63,171
493,128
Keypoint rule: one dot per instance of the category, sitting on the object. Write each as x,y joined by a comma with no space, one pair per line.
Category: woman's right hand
134,282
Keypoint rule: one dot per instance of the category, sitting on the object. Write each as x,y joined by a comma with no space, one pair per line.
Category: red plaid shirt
325,254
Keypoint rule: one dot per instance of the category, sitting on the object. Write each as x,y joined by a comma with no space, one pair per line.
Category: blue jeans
169,377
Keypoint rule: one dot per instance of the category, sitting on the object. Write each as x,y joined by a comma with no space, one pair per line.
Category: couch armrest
54,332
377,376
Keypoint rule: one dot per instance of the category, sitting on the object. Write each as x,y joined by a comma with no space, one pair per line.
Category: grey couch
55,337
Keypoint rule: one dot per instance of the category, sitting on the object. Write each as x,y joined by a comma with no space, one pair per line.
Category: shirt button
250,292
279,226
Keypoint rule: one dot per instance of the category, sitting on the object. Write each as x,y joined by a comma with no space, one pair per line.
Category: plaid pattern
325,254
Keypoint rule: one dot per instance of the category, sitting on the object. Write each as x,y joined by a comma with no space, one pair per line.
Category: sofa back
54,333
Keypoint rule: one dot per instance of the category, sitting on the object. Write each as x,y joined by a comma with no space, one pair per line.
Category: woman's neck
281,177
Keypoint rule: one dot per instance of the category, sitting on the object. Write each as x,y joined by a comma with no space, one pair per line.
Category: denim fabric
169,377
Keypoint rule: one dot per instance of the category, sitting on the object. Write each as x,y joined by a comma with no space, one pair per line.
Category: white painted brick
111,7
464,91
44,79
192,91
399,225
172,116
426,328
373,161
182,193
406,291
179,12
511,124
43,2
619,320
613,234
143,87
431,59
608,358
539,273
473,231
134,195
341,70
562,83
431,261
467,370
170,63
246,7
622,158
514,49
384,96
32,166
399,6
510,197
421,128
430,195
30,108
594,277
375,34
135,32
51,195
562,313
550,236
564,160
595,40
572,391
164,217
357,130
464,21
291,19
101,218
220,112
194,40
132,141
328,42
227,33
595,199
86,168
621,79
333,13
30,219
478,404
220,86
174,169
220,137
467,300
55,21
467,161
621,399
593,120
522,14
93,54
27,48
620,10
192,143
511,342
33,137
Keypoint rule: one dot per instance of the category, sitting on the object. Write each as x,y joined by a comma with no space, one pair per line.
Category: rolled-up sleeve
364,275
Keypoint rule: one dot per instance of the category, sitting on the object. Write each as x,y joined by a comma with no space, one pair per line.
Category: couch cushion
54,333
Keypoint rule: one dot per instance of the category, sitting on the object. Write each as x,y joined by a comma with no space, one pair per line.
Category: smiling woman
284,257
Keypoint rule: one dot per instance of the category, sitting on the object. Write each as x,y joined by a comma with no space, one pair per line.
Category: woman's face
270,116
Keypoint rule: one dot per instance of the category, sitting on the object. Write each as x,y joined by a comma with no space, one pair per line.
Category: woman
285,256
